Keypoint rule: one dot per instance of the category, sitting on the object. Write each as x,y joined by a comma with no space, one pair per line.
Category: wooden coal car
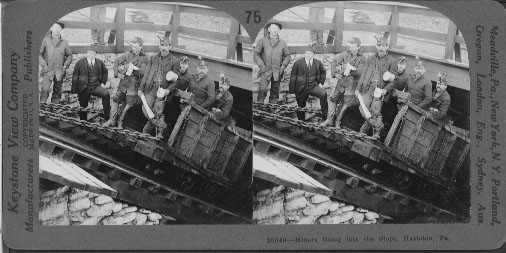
212,146
417,143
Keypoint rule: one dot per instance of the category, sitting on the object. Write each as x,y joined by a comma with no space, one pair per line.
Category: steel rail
52,137
266,136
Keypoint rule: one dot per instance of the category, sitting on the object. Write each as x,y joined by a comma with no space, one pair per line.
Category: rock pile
281,205
70,206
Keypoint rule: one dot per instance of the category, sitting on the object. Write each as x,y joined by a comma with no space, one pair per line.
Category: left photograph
145,117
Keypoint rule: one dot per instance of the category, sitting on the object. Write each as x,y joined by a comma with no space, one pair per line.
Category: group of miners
375,84
157,83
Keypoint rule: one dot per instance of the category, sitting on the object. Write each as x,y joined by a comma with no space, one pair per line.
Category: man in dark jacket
307,75
440,100
272,56
371,83
89,74
420,87
55,57
202,86
172,104
154,77
129,67
222,106
346,67
399,93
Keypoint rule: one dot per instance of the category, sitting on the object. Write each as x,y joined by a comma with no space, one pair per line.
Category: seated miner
305,79
346,67
157,67
202,86
129,68
220,109
55,57
156,115
440,101
419,86
372,89
89,74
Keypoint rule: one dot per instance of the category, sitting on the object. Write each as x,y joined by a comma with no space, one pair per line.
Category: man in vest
272,56
307,75
129,67
372,89
55,57
89,74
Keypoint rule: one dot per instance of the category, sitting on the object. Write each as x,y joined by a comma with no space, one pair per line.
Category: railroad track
302,145
135,187
144,171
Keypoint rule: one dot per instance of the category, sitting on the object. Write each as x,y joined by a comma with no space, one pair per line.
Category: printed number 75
256,16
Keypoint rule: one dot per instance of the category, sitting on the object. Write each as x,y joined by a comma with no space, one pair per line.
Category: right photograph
360,116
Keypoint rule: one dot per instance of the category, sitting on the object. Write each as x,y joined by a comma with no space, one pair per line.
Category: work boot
115,110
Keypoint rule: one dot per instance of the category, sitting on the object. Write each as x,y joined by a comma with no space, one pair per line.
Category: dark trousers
304,95
46,88
84,98
262,91
172,111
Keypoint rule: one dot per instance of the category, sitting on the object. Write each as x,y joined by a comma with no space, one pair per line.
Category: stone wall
70,206
281,205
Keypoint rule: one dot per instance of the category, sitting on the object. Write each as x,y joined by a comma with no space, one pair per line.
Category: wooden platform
68,173
284,173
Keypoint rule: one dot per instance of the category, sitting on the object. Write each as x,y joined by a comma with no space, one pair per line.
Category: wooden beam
339,25
149,6
203,33
244,39
394,24
457,49
88,25
367,27
306,25
112,34
238,47
450,40
146,27
422,34
120,31
176,22
332,32
205,12
368,6
459,39
421,11
232,38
